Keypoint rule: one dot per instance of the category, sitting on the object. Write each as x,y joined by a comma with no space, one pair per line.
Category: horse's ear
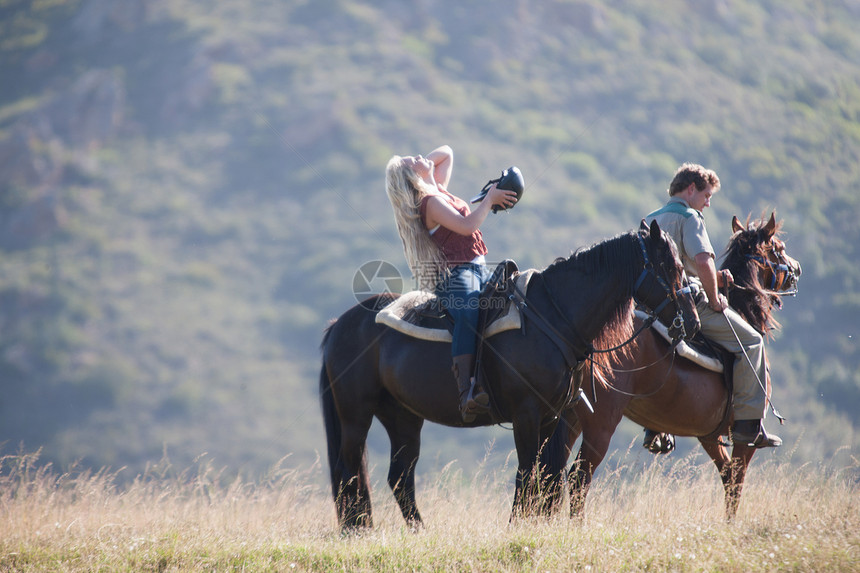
770,228
655,230
737,225
643,226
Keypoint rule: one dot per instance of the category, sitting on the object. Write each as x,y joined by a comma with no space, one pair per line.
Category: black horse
372,370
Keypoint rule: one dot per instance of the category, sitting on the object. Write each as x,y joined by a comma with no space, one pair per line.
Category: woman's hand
440,212
442,159
500,197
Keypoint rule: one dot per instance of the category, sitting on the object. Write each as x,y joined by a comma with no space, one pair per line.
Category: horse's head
662,286
760,245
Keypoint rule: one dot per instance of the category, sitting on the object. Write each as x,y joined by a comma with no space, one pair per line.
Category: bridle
670,296
689,289
572,356
575,358
787,286
780,267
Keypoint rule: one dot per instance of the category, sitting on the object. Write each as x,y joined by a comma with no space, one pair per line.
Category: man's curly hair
692,173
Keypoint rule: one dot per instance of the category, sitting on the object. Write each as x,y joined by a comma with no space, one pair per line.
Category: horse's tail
331,421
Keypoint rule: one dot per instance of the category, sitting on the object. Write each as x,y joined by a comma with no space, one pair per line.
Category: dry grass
666,516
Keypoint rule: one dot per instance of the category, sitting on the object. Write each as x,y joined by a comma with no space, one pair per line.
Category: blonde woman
445,251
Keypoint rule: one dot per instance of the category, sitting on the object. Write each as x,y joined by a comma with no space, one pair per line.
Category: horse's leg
554,456
527,435
404,432
734,482
596,436
720,455
732,470
353,500
548,482
579,478
536,488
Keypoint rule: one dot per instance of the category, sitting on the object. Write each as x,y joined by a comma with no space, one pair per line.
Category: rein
761,384
775,268
677,323
774,295
648,268
633,394
572,356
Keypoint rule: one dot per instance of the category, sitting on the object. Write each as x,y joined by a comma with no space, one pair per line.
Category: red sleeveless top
458,249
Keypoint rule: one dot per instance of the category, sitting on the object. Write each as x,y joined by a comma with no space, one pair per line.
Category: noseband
671,296
788,285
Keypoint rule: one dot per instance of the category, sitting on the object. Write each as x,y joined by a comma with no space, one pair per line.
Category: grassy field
663,516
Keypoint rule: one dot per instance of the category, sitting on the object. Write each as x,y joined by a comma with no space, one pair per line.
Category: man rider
689,194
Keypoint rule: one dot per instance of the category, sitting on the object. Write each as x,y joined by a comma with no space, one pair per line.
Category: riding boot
752,433
658,443
472,400
479,396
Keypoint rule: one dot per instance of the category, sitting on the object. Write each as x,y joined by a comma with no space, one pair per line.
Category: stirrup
474,404
761,440
466,413
752,434
478,396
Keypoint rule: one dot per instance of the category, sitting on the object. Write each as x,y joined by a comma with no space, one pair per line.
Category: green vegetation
187,189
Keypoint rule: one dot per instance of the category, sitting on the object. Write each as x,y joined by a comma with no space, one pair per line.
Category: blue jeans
460,293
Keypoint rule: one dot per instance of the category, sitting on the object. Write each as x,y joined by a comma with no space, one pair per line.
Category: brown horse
671,394
370,370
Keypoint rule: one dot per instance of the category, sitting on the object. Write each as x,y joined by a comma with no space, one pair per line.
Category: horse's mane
755,303
327,333
618,255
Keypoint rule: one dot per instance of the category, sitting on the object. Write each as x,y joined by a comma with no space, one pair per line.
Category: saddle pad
683,349
392,315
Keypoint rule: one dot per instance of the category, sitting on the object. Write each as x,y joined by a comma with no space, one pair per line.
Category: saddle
422,314
706,354
700,350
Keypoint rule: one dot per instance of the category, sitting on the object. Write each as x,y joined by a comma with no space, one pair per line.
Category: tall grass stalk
663,515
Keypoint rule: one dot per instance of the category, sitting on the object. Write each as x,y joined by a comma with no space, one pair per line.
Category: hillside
188,188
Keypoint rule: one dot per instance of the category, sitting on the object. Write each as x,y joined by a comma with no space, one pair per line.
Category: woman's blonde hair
405,191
